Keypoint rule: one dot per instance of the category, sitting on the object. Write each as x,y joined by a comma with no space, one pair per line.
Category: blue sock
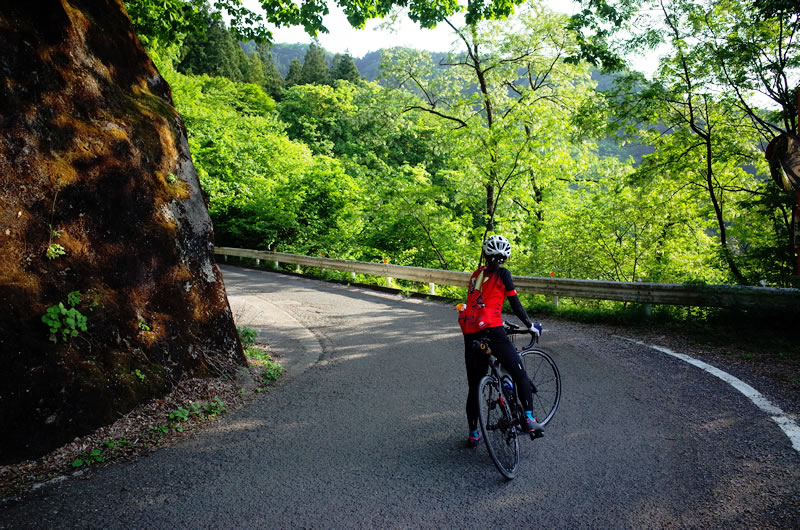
475,434
529,414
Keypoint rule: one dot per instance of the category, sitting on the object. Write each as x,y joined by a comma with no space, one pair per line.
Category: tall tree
313,114
315,69
295,74
716,57
254,70
508,91
273,81
748,47
215,53
345,68
755,52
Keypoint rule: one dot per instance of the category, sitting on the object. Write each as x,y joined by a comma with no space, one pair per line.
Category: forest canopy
508,133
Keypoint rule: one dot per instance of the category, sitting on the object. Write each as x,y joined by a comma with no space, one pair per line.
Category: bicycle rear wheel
497,427
543,373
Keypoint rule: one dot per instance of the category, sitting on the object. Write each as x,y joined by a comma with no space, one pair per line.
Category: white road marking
784,421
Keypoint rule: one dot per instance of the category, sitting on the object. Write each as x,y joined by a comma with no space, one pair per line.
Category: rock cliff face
101,212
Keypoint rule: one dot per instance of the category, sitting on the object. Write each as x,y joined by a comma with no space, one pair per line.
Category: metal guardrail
638,292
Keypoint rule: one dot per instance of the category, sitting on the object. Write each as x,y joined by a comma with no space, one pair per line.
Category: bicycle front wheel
497,427
546,383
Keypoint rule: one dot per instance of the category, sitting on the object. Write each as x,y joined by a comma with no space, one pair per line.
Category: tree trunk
98,196
723,237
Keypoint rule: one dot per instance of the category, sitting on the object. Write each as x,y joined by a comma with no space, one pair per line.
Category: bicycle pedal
536,434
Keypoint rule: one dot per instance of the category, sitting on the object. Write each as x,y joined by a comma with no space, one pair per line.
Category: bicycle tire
546,383
497,427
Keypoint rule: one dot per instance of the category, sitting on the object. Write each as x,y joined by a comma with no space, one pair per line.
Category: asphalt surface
367,430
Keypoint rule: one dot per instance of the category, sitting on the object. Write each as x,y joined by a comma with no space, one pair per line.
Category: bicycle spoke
546,384
500,437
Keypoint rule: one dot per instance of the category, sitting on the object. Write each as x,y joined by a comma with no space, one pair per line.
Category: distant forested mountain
369,65
283,54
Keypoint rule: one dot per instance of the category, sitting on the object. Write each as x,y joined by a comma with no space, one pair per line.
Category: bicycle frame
500,409
503,379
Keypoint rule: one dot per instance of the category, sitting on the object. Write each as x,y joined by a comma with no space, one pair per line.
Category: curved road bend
367,431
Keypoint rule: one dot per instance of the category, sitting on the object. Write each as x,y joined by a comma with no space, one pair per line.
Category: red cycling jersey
485,297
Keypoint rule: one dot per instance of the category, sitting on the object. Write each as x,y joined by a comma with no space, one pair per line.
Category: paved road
367,431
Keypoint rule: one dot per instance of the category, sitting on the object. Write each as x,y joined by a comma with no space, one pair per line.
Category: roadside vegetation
534,127
260,361
658,179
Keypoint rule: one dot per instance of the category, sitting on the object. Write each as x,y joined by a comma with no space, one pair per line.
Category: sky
344,38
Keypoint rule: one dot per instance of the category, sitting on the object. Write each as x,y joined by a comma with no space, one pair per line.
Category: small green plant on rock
55,250
87,459
159,430
257,354
113,445
179,416
63,321
208,410
74,298
272,371
247,336
214,408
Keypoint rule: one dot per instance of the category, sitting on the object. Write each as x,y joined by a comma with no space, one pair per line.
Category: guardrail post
555,302
431,288
388,281
226,258
258,262
298,270
277,265
648,309
352,275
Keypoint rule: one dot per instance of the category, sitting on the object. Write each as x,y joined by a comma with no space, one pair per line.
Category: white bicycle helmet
497,246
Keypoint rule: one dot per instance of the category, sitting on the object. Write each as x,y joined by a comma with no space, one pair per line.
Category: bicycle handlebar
511,329
514,329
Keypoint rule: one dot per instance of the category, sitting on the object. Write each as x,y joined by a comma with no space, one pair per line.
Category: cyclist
481,317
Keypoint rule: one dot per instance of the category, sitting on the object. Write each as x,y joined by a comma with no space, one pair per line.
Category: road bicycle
500,409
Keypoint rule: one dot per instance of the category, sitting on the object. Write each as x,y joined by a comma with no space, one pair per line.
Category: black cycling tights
478,362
